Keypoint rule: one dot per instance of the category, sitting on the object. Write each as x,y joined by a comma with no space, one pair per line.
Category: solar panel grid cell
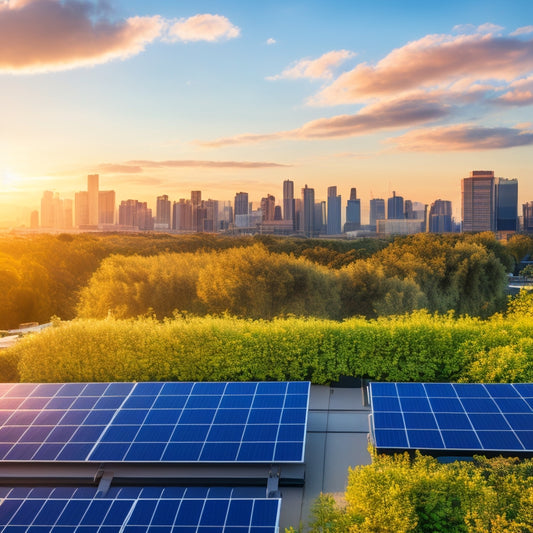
172,509
457,416
135,422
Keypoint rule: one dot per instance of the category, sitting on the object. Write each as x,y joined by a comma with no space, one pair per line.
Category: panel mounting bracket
274,474
105,483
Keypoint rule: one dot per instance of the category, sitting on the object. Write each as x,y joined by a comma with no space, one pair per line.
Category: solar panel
135,510
154,422
467,417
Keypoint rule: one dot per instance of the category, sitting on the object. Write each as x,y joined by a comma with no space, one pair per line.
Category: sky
166,97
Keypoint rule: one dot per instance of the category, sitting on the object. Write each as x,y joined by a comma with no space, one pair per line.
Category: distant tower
308,207
478,201
92,189
440,217
268,206
395,207
162,213
106,207
353,212
506,204
288,200
377,211
241,203
334,212
527,216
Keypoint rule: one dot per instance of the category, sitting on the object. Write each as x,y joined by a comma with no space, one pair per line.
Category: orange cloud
45,35
463,137
52,35
138,166
205,27
521,93
384,115
433,61
321,67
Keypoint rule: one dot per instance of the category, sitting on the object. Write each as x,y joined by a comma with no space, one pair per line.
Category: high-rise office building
506,204
81,209
333,212
135,214
241,206
106,207
377,211
288,200
395,209
268,207
527,217
353,212
478,201
92,190
182,215
440,217
162,212
308,211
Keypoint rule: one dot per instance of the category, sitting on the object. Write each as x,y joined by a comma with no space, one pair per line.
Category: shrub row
416,347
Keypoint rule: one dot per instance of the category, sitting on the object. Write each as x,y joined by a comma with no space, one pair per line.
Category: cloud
463,137
385,115
521,93
320,68
138,166
524,30
432,61
271,41
54,35
471,28
205,27
48,35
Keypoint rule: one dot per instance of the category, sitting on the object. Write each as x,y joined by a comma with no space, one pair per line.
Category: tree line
259,277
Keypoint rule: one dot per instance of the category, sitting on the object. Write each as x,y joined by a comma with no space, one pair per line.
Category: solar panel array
154,422
453,416
136,510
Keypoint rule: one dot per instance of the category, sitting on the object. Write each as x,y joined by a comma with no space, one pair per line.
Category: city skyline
233,96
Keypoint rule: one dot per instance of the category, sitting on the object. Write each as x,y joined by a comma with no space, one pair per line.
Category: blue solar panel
452,416
135,510
152,422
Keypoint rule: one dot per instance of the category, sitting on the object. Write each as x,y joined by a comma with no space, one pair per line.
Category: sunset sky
166,96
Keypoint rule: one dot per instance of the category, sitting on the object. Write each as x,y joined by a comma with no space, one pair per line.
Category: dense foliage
43,275
399,495
416,347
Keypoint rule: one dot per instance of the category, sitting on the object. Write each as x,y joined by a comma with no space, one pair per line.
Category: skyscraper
241,203
106,207
395,207
506,204
478,201
377,211
268,207
182,215
334,212
92,190
440,217
288,200
308,215
162,212
353,212
527,216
